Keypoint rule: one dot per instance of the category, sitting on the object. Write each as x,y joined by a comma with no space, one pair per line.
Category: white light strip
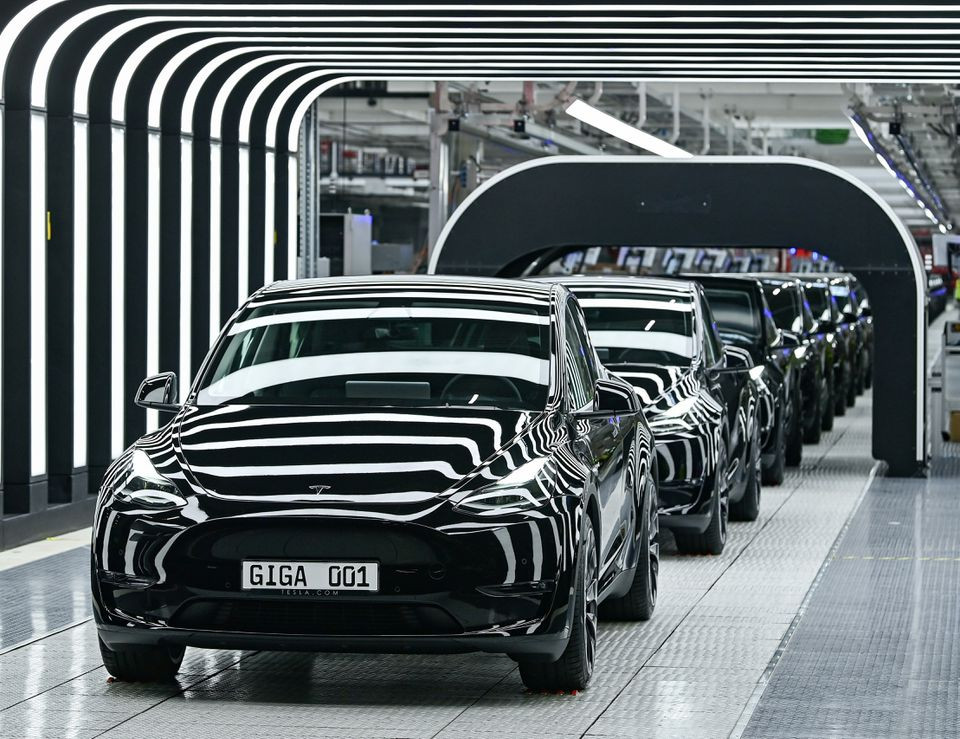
214,240
269,206
38,298
117,289
623,131
243,225
153,265
80,326
1,284
293,234
186,262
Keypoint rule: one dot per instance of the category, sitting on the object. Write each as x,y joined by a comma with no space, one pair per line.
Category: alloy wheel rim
590,599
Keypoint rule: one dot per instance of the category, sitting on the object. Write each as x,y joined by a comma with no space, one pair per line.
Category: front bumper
497,586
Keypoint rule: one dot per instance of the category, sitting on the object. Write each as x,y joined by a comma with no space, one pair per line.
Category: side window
578,359
770,329
711,340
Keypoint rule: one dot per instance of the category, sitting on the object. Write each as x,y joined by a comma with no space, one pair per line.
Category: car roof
489,287
775,278
573,282
728,278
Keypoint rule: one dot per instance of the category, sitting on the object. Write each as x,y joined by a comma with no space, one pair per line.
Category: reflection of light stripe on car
361,314
255,442
267,374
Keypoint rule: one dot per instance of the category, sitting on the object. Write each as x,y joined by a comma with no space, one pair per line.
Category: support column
439,177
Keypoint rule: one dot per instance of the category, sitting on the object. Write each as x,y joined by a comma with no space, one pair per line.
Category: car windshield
633,327
785,311
736,314
384,351
821,304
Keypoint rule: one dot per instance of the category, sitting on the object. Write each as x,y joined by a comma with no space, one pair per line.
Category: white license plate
265,575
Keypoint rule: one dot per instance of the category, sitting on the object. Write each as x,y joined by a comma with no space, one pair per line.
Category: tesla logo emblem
319,489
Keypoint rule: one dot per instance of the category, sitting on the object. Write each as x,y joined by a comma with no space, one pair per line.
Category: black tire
861,381
773,473
852,390
868,377
142,664
641,600
748,507
575,667
795,434
826,423
840,396
714,538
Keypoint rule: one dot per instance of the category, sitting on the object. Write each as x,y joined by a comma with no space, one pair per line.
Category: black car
745,321
858,320
838,340
383,464
792,315
702,405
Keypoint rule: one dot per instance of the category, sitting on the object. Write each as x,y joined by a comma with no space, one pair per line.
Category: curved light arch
909,244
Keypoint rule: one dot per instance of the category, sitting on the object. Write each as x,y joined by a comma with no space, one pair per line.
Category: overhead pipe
676,115
706,122
597,92
561,98
642,103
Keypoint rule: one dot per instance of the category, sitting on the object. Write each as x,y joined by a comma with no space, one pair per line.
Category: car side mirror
612,399
790,339
159,393
734,361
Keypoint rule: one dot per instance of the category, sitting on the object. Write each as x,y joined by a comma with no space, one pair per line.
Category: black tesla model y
702,404
384,465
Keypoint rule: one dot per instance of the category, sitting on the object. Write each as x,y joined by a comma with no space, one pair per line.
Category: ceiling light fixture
624,131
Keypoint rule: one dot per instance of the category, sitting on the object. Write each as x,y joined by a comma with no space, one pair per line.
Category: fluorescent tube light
623,131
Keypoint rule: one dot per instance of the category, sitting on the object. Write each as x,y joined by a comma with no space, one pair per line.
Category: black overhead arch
778,202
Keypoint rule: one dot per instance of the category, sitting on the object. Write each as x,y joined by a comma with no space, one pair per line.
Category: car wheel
748,507
714,538
826,422
773,473
795,435
840,396
639,602
142,663
861,381
575,666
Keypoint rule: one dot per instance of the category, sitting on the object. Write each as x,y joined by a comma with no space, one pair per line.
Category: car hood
659,387
333,455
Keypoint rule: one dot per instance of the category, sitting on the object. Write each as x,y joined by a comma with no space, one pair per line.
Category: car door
727,385
601,440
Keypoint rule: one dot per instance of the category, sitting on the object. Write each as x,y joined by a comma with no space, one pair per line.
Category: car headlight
144,487
526,488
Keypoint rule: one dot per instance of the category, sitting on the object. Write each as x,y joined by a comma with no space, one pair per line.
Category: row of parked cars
433,464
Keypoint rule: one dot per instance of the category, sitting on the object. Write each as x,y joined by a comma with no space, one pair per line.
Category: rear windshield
632,327
785,308
394,351
737,315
